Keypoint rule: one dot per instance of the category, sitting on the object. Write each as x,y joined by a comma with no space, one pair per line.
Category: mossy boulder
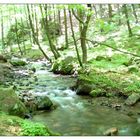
99,58
18,62
133,69
84,89
108,84
10,103
64,66
6,73
101,84
2,59
132,99
83,86
97,92
43,103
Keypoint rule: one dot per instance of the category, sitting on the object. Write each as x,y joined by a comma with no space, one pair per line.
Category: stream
77,115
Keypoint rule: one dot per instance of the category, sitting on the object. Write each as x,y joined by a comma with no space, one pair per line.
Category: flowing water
77,115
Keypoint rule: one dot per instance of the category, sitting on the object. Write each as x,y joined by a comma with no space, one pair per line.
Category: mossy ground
34,54
15,126
110,83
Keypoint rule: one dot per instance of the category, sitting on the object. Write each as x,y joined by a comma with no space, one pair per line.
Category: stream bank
75,115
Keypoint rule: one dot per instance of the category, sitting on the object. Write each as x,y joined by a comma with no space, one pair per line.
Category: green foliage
104,26
23,31
64,66
34,54
120,59
24,127
76,7
54,29
33,129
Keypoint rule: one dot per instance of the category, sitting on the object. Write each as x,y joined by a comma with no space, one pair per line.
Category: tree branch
77,17
100,43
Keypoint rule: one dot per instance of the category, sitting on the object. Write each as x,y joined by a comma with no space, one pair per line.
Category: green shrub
21,29
33,129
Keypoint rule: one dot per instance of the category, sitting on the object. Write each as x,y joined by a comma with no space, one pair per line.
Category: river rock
31,105
10,103
2,59
64,66
96,92
111,132
84,89
100,58
133,68
83,86
138,120
132,99
43,103
18,62
6,73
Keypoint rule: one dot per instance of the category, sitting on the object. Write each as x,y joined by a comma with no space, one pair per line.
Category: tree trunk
118,11
28,24
36,23
9,25
2,31
33,21
52,46
59,21
101,10
134,13
34,36
54,20
24,46
83,31
76,47
17,38
110,15
96,14
127,20
66,31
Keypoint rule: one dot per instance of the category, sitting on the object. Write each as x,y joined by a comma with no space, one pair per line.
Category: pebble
111,132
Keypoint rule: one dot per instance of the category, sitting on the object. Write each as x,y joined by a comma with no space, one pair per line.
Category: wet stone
111,132
132,99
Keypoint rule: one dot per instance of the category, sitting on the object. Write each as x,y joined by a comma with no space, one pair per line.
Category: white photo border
69,1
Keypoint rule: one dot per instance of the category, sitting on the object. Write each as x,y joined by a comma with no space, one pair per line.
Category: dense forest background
49,28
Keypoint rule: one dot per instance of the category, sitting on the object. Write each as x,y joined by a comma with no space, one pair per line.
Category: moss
133,69
34,54
15,126
64,66
43,103
97,92
120,59
10,103
102,84
99,58
18,62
